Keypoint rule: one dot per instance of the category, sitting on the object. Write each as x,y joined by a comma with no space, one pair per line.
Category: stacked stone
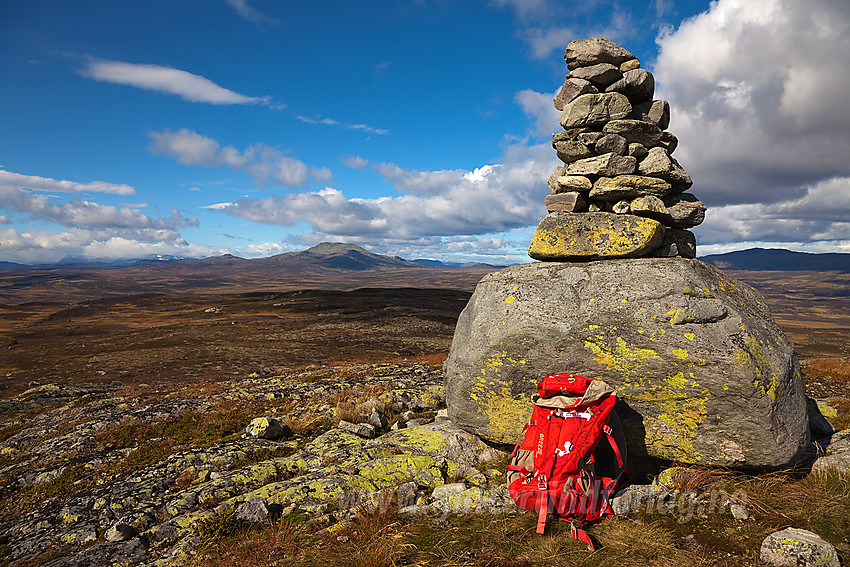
620,193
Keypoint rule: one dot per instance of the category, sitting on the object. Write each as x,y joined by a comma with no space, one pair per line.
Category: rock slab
703,373
567,236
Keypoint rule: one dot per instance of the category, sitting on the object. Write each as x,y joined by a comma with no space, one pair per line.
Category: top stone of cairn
586,52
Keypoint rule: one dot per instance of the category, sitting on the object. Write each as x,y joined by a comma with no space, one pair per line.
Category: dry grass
835,368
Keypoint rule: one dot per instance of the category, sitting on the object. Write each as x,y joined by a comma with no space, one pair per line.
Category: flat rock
569,183
635,131
595,110
638,85
703,374
569,202
583,236
659,163
794,547
608,165
628,186
601,74
586,52
572,88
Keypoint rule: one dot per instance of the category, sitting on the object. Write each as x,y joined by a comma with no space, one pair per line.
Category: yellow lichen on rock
566,236
505,414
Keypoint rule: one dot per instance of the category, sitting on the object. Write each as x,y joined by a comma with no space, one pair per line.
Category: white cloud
435,204
819,217
251,14
266,164
83,213
545,41
758,97
540,108
355,162
346,125
188,86
37,246
14,181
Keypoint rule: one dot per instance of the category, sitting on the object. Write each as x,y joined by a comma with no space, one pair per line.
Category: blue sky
416,128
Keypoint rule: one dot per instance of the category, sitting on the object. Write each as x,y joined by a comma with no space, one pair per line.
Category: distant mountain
778,260
339,255
455,265
329,265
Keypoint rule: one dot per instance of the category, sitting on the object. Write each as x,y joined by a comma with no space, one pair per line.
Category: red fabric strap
544,511
581,535
614,446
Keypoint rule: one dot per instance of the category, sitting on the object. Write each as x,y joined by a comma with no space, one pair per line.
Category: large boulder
703,373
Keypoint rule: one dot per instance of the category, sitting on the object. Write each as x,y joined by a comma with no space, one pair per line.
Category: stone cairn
620,193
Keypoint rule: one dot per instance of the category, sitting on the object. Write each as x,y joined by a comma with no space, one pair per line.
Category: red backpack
559,466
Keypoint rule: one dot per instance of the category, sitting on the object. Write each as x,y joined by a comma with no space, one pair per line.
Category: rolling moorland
152,334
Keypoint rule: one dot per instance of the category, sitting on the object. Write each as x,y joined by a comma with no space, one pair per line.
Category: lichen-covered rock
568,183
609,164
638,85
582,236
594,110
265,428
837,455
794,547
703,373
572,88
628,186
655,112
635,131
586,52
601,74
658,163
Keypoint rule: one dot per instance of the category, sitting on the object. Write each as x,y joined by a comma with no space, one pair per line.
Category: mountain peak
333,248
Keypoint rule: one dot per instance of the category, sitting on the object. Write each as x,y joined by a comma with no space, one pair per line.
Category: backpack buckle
607,429
541,482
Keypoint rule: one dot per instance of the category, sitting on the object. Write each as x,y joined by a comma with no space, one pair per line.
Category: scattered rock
119,532
377,419
794,547
255,510
366,430
266,428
